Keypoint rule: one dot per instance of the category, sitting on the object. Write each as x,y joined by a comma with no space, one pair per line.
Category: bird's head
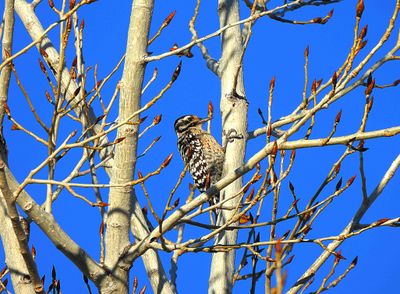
187,122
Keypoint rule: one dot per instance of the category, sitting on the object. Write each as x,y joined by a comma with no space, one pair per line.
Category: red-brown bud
337,168
338,116
72,4
319,83
334,80
370,87
363,32
82,25
306,51
362,45
51,3
351,180
177,71
174,47
250,196
176,202
167,160
359,8
157,119
15,127
142,119
290,259
210,108
98,84
48,97
314,87
102,204
272,84
169,18
140,175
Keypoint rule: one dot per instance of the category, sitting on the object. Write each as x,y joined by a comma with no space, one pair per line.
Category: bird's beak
204,120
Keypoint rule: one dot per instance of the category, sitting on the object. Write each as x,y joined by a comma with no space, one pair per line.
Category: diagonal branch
310,272
142,246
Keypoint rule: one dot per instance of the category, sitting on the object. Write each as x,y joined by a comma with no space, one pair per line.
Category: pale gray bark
234,117
6,46
60,239
123,202
151,260
14,260
19,273
22,237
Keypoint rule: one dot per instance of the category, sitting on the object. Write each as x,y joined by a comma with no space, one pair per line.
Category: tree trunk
234,117
14,260
15,263
122,200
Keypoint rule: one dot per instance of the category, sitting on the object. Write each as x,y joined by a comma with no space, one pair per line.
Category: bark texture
35,29
234,117
15,263
123,201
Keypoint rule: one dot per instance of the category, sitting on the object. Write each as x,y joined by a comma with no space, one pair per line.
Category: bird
201,152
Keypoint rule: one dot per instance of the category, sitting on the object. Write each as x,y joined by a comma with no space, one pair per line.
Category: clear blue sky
275,49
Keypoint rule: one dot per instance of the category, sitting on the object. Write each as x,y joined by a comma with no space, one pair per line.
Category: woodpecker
200,151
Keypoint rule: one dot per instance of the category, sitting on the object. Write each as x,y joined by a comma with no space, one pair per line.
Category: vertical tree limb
14,259
123,202
234,117
35,29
